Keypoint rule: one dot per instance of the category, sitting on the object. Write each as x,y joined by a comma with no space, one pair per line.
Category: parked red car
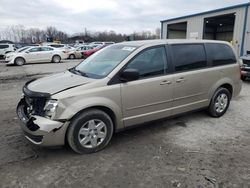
88,53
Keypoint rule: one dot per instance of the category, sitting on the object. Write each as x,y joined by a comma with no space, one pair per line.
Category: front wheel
90,131
219,102
19,61
56,59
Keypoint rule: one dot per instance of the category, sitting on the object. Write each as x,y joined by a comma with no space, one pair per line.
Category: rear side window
189,56
220,54
4,46
46,49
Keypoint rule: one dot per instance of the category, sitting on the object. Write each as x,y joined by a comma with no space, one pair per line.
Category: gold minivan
126,84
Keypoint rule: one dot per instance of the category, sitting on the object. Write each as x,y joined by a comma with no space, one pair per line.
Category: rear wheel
219,102
56,59
72,56
19,61
90,131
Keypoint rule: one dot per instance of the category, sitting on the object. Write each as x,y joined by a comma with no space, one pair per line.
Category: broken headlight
50,107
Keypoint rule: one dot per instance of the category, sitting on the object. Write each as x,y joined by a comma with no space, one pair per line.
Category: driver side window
149,63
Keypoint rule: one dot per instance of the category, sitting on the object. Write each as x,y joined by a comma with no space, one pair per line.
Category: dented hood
58,82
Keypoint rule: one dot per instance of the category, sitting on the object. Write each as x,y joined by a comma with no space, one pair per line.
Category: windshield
100,64
22,49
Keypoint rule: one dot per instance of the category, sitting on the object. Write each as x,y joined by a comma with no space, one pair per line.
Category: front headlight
8,56
50,107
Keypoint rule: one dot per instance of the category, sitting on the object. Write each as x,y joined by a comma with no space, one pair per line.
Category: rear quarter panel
229,74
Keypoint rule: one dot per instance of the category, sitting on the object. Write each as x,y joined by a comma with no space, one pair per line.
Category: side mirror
129,75
27,52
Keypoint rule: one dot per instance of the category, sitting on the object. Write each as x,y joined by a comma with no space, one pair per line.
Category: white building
230,24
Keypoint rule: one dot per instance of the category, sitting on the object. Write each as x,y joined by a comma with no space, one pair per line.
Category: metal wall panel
195,26
247,33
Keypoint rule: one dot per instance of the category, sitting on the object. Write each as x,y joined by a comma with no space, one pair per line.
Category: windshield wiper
78,72
82,73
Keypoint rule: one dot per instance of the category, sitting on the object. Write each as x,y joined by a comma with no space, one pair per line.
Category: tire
72,56
19,61
84,128
243,78
219,102
56,59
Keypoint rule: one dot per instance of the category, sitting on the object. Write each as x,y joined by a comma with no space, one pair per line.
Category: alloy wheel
221,102
92,133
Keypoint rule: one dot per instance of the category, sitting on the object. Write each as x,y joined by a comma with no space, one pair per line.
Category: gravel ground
194,150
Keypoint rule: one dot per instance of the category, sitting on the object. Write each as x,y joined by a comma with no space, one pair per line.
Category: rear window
46,49
220,54
56,45
4,46
189,56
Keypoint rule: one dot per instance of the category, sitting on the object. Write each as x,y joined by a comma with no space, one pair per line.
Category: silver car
126,84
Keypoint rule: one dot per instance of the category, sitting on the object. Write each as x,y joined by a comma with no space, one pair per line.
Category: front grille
35,105
35,101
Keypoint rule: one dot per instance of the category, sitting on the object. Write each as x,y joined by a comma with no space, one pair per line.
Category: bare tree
158,33
19,33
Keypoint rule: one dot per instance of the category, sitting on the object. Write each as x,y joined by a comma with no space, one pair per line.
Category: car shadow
247,81
130,135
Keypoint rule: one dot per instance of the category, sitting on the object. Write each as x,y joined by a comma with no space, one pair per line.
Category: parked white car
6,48
63,47
35,55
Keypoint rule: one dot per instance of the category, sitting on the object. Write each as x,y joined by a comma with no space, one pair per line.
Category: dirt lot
194,150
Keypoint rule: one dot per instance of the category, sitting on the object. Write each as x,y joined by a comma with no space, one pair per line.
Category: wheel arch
225,83
229,87
105,109
56,55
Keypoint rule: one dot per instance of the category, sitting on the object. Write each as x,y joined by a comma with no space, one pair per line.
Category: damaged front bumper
40,130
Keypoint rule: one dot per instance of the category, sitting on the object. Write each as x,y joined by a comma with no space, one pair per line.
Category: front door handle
180,80
165,82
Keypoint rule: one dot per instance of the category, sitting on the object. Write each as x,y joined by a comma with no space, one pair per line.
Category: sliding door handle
165,82
180,80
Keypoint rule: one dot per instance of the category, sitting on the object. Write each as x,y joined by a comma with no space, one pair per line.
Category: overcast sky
124,16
